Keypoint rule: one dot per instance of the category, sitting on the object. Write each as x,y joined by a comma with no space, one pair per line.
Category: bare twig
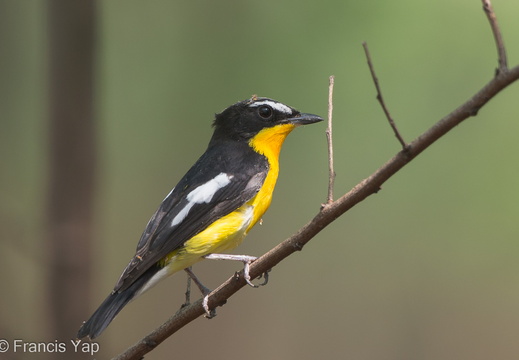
381,99
329,138
501,51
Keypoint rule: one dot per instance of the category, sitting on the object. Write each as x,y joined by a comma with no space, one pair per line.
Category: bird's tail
111,306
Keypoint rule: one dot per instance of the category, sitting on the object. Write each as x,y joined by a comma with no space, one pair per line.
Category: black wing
246,171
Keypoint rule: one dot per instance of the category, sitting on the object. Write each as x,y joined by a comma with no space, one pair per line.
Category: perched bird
214,205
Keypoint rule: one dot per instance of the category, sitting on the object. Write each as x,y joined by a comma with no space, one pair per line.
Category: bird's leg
188,290
204,290
245,259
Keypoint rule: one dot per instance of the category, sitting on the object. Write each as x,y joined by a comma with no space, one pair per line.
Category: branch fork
335,208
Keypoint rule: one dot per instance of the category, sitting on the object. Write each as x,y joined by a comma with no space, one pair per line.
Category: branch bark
332,210
498,38
329,138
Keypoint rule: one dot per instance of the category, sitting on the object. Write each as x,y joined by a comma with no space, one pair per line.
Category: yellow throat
268,143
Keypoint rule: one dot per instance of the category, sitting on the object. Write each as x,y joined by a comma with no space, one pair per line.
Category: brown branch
332,211
381,99
326,216
500,45
329,138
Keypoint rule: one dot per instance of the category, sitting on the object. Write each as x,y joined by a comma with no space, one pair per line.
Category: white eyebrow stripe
202,194
273,104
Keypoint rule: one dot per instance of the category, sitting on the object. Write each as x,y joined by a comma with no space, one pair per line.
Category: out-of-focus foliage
425,269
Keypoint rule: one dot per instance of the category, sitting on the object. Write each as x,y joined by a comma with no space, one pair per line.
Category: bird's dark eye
265,111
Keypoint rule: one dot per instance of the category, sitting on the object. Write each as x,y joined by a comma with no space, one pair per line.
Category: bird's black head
243,120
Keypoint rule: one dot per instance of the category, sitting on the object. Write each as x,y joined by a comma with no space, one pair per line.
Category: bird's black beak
304,119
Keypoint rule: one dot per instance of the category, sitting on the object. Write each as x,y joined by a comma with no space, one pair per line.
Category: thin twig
329,138
498,38
381,99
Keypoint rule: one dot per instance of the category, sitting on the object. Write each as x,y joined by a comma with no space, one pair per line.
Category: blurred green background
425,269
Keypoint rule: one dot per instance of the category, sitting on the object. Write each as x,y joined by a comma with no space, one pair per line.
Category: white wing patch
202,194
273,104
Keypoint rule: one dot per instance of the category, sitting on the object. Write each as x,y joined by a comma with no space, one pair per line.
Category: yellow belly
223,235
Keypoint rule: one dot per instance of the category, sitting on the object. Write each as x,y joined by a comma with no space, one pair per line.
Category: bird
214,205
